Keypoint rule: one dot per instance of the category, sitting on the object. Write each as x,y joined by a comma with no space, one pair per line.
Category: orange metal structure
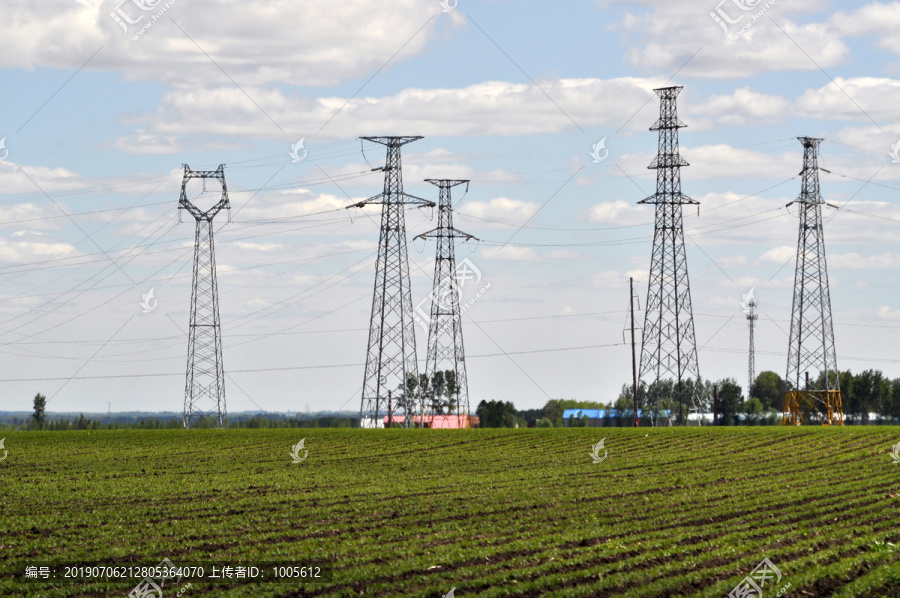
799,404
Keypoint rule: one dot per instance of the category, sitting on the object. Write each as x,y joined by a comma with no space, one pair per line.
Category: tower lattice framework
204,389
811,352
669,350
446,352
752,317
391,355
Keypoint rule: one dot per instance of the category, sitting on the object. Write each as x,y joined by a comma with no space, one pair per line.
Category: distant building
434,421
596,418
370,422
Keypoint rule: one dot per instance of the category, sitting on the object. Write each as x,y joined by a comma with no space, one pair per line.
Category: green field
490,512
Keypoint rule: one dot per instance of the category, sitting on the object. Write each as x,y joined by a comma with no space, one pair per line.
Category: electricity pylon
391,356
669,350
749,304
445,339
811,348
204,388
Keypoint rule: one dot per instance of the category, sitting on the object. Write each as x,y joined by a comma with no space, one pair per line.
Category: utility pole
634,385
204,389
811,344
445,339
669,347
391,355
715,405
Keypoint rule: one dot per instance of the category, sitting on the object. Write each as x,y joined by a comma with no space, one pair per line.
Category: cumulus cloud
776,255
673,32
501,209
872,97
510,253
487,108
253,41
619,212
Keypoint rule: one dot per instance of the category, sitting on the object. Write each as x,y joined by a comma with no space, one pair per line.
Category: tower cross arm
393,140
185,204
405,199
450,233
669,198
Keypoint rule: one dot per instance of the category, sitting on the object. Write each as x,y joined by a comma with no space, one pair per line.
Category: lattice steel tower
204,388
445,338
749,304
391,357
811,350
669,350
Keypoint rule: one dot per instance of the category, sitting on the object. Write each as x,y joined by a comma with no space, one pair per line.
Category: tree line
864,394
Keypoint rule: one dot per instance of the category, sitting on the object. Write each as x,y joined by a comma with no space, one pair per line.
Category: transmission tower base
800,403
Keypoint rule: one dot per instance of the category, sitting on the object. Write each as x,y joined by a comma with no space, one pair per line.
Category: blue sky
511,95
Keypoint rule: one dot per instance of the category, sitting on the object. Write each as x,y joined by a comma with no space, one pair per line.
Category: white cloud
254,41
872,97
34,179
883,20
141,142
619,212
24,251
886,313
510,253
259,246
776,255
501,209
741,107
481,109
855,261
673,32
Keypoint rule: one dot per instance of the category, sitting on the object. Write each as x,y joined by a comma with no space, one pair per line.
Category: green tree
892,409
769,389
39,418
753,409
869,392
496,414
554,408
729,401
417,389
452,390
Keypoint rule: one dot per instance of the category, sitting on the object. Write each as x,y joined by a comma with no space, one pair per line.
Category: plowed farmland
668,512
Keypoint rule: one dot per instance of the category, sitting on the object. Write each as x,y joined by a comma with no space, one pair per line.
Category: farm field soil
668,512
